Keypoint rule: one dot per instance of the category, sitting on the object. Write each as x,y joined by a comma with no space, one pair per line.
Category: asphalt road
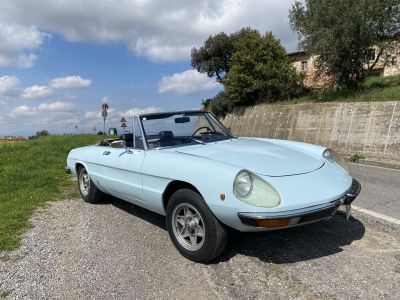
380,189
116,250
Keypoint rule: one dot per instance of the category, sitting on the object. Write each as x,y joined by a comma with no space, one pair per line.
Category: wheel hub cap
188,227
84,182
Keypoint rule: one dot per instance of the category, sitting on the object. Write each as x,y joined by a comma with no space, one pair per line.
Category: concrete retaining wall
369,128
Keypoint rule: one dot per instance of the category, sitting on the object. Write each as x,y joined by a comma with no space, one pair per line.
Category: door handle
106,152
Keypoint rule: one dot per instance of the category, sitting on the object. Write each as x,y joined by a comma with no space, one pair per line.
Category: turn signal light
273,223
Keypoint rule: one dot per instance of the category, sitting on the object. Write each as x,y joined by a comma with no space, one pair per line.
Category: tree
221,105
260,71
341,33
214,57
42,133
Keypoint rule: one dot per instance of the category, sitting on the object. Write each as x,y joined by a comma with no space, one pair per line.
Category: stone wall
369,128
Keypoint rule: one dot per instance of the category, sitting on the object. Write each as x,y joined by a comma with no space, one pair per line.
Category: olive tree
260,71
341,33
214,57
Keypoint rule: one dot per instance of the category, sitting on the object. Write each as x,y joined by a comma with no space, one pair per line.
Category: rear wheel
193,228
87,188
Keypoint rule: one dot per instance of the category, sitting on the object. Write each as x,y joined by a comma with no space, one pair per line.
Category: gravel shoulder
118,251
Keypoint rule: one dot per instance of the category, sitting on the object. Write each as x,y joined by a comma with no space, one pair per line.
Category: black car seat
166,138
128,138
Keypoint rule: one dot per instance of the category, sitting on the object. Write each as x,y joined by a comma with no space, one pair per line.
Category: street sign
104,113
123,125
123,120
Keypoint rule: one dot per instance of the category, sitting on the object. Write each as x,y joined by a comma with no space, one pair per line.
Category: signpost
123,125
104,113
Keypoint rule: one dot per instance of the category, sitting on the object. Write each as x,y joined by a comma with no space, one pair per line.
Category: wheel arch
79,165
174,186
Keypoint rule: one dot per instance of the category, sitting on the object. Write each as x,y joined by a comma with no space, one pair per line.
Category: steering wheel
202,127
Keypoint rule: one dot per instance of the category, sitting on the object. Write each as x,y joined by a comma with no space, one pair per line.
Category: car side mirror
120,144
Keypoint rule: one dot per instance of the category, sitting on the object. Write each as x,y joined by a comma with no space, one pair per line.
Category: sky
61,59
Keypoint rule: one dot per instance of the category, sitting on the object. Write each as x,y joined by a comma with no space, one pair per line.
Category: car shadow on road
137,211
296,244
291,245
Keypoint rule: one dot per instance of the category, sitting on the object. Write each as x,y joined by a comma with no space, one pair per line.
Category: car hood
262,157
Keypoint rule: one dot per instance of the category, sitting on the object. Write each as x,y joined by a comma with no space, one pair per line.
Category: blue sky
59,62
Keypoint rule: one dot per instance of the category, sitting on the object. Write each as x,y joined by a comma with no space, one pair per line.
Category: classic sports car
188,167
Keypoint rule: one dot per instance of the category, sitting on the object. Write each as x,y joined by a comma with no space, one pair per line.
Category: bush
356,157
260,71
221,105
42,133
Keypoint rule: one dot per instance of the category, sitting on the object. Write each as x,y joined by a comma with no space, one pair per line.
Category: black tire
92,194
215,235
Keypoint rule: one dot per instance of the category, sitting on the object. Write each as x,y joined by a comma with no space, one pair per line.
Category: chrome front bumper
300,216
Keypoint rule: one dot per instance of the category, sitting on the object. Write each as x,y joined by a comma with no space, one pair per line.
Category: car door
122,174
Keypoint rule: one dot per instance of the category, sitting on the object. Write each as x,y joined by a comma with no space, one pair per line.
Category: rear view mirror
182,120
118,144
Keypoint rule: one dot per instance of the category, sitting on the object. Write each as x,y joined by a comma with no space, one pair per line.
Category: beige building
387,65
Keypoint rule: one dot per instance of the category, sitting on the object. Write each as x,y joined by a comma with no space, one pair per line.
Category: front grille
320,215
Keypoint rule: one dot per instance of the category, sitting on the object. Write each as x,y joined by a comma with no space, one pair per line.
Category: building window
304,65
371,54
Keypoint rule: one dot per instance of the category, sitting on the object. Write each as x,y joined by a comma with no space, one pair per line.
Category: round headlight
254,190
327,154
243,184
336,158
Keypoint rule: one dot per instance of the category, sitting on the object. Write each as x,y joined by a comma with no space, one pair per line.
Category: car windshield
179,129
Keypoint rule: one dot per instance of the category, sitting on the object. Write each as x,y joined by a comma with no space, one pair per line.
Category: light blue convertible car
188,167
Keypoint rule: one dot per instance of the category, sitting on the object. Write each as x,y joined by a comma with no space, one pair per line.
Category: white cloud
60,117
116,115
57,106
37,92
22,111
159,30
187,82
15,40
45,110
92,115
9,86
25,61
69,82
138,111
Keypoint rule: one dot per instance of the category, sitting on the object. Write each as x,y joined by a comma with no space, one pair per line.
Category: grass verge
31,173
4,294
373,89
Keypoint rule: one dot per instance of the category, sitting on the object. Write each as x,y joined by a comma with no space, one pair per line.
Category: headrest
127,137
165,134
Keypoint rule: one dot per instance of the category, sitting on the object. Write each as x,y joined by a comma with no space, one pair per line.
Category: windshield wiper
198,141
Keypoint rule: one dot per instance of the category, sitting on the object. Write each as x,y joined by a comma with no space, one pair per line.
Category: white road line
372,166
376,215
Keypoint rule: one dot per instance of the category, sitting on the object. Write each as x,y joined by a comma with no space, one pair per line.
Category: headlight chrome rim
337,159
242,174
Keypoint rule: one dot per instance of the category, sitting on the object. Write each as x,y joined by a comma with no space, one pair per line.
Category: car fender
209,177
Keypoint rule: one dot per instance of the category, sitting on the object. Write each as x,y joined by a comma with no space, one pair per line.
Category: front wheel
193,228
87,189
